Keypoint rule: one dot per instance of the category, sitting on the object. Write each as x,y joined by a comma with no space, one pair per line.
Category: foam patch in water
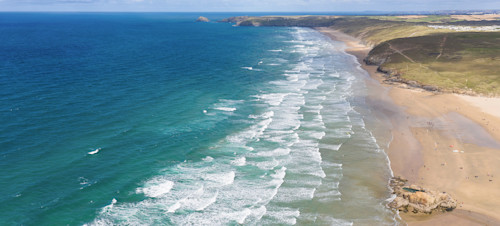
156,188
239,161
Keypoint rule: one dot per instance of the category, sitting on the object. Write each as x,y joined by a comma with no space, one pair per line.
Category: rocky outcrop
416,199
202,19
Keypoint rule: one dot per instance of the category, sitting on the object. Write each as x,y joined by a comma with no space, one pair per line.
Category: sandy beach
443,142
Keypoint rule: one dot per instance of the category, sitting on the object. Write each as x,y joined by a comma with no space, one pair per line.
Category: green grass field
452,61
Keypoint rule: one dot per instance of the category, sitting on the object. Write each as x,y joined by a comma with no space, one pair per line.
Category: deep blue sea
154,119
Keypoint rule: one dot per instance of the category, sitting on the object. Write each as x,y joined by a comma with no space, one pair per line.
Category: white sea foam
314,107
156,188
279,173
293,84
225,109
239,161
282,137
287,120
266,165
285,215
292,72
313,84
230,101
226,106
316,134
273,99
278,179
333,147
292,77
197,200
83,181
207,202
301,41
314,125
257,213
275,152
275,50
110,206
338,222
281,60
221,178
208,159
329,193
175,207
335,75
266,115
293,194
242,215
254,132
248,68
94,151
315,171
331,164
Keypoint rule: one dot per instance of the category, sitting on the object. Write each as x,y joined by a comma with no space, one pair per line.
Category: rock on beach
416,199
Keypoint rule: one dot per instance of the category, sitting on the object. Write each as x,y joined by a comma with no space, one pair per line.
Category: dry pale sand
442,142
487,105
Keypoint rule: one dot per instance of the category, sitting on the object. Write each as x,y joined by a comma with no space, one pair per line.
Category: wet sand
443,142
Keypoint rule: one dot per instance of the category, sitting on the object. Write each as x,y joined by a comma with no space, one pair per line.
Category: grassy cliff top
460,62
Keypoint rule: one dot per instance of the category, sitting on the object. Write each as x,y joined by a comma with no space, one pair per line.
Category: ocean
154,119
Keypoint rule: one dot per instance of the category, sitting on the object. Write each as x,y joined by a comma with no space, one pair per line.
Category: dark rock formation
202,19
416,199
430,88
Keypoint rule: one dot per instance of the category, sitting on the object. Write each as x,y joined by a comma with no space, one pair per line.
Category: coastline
444,142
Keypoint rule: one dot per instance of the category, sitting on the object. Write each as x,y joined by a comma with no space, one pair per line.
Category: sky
245,5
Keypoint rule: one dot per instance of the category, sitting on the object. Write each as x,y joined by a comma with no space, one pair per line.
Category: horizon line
364,11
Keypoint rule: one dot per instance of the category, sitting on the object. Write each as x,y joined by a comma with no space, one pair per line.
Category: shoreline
445,142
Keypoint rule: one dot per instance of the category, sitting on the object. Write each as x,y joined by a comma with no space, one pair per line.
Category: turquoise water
153,119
